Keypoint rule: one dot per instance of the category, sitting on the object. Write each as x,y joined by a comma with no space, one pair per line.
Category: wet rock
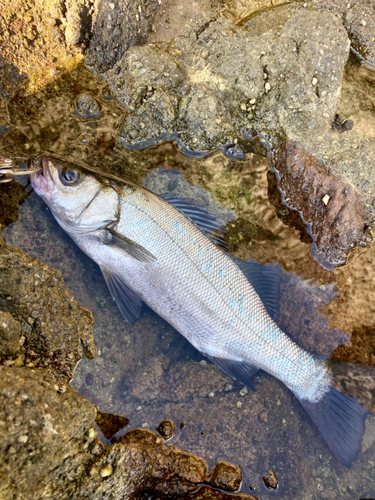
270,480
53,324
10,335
118,25
225,476
166,429
110,424
215,80
86,107
336,222
12,195
48,447
359,20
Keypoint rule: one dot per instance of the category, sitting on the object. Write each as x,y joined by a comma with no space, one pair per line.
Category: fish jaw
42,182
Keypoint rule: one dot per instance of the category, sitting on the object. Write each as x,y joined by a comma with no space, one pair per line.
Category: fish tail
341,412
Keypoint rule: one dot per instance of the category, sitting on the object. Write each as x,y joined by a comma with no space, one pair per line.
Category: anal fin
127,301
242,371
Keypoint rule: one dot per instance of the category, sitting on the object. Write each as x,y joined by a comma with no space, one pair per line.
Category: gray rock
215,81
86,107
118,24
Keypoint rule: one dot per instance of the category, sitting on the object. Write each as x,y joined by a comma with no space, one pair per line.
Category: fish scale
211,277
150,251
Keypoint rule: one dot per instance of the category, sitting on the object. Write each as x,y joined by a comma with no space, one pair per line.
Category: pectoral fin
127,301
129,246
241,371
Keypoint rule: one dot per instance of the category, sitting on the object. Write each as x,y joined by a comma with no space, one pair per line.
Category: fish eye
69,177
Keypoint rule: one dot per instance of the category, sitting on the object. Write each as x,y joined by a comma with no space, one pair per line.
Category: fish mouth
40,180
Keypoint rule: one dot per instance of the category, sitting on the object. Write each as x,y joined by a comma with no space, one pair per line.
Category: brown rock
49,448
226,476
10,335
270,480
330,208
166,429
110,424
53,324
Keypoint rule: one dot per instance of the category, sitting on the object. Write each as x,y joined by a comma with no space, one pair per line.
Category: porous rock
215,81
334,213
48,448
53,324
359,20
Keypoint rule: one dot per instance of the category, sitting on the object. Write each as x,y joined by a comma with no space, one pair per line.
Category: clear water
148,372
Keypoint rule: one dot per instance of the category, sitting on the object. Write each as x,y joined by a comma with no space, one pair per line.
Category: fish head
78,199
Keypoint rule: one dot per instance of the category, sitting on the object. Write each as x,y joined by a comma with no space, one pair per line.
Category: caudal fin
341,413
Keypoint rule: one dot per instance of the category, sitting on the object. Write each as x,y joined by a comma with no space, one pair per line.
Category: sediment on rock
54,327
49,447
332,211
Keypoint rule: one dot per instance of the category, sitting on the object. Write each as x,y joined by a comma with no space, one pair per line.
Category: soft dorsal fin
238,370
127,301
201,217
266,282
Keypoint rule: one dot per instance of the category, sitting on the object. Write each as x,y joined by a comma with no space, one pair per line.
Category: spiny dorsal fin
201,217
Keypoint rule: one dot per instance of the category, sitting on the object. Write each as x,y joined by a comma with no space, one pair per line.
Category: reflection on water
147,372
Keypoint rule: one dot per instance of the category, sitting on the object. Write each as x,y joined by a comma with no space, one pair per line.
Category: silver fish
167,253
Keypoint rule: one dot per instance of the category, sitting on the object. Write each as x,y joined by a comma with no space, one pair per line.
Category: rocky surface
197,87
359,20
48,447
54,326
332,211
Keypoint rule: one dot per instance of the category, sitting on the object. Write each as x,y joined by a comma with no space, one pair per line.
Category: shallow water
148,372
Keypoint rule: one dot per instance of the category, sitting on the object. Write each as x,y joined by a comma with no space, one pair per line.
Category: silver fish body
183,276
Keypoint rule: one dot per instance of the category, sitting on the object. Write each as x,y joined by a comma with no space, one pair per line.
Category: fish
171,255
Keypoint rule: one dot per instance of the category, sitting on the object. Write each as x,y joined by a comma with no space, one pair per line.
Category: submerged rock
333,212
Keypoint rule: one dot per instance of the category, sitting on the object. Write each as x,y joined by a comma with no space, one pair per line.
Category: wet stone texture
48,445
359,20
214,81
48,448
54,326
334,213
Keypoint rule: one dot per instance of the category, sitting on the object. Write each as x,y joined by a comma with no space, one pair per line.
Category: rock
225,476
86,107
53,324
12,196
48,447
166,429
110,424
216,71
270,480
336,226
10,335
359,20
118,25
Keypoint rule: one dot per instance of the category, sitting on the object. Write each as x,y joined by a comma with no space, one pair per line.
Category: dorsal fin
200,216
265,280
